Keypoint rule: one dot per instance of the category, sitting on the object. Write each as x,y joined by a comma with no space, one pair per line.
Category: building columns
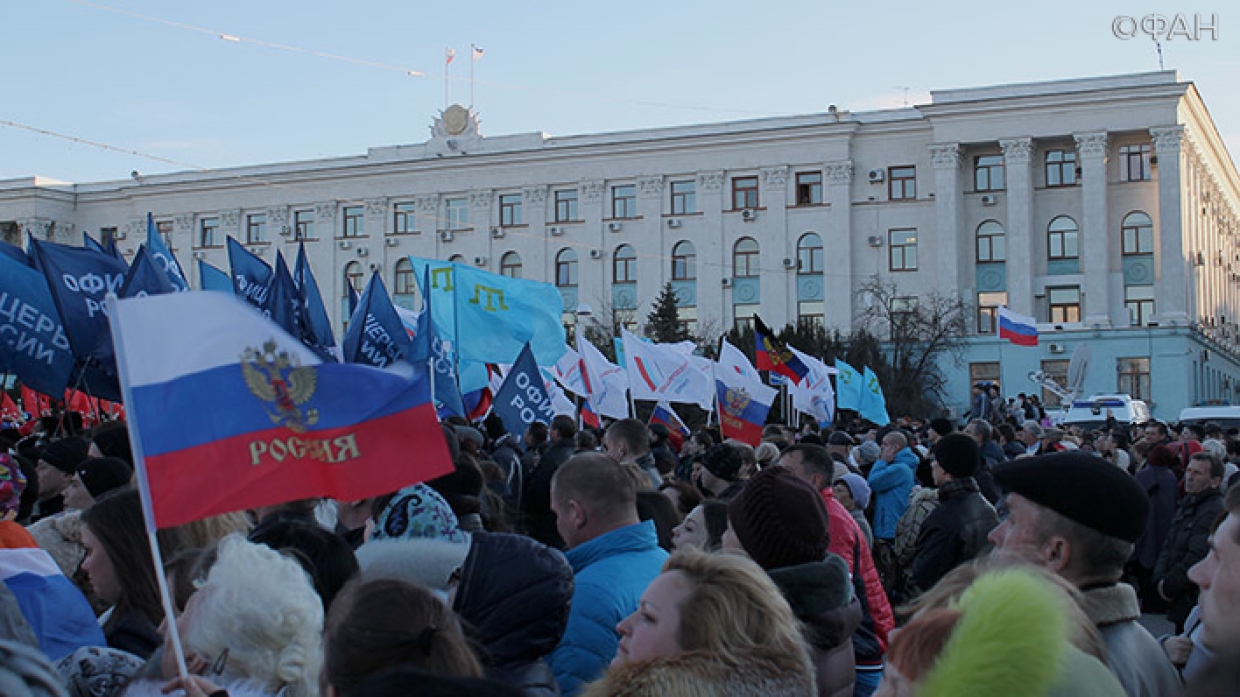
946,158
1172,303
837,280
1095,231
1017,158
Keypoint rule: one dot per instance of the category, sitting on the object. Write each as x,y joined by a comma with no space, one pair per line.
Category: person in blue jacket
614,557
891,481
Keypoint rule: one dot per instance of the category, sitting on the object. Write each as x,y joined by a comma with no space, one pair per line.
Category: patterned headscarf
419,511
12,483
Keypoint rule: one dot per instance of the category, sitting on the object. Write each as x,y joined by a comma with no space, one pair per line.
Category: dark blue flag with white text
37,349
523,399
318,328
163,257
376,335
251,276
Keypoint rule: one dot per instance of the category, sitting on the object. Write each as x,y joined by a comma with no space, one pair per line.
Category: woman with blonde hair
709,625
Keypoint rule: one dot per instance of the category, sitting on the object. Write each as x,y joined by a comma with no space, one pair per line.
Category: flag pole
144,487
473,58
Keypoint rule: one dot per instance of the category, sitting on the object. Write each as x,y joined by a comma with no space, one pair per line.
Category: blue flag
429,345
848,386
873,403
15,253
317,331
421,330
211,278
523,399
496,316
283,303
145,277
37,346
251,276
376,336
163,257
92,244
79,279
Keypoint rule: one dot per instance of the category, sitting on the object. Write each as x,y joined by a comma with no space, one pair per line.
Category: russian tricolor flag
1021,330
678,431
228,412
57,612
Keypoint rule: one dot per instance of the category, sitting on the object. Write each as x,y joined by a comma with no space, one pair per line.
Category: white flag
658,371
606,384
814,395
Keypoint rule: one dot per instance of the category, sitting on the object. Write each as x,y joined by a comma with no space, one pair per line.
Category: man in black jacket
956,531
539,519
1188,542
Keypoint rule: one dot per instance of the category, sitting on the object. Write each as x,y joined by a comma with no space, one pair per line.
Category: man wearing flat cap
1079,516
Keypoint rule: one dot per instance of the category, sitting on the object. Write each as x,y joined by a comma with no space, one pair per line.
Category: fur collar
1107,605
760,671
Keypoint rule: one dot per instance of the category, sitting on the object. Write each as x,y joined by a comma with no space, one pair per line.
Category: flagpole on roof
144,487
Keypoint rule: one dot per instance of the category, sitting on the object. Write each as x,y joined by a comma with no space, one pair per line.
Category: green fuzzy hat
1010,640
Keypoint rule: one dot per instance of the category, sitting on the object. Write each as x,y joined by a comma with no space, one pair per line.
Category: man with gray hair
1030,435
1078,516
1188,541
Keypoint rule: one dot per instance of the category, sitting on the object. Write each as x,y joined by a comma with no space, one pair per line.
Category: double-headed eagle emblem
278,378
735,400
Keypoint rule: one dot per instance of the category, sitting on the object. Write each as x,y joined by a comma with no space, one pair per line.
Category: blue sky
170,92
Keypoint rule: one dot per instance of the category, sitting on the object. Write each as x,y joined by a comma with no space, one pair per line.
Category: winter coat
954,533
539,520
1187,543
891,483
610,572
821,597
1082,675
877,620
61,536
1161,487
513,599
1134,656
762,671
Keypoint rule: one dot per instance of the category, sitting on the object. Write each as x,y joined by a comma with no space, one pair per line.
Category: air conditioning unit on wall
749,215
673,222
445,236
989,199
1055,348
876,176
726,282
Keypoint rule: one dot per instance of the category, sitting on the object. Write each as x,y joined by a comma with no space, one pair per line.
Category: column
949,249
1017,155
1095,231
837,276
1171,304
771,230
323,260
369,249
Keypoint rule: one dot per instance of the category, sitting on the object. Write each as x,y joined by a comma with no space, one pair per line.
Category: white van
1226,417
1093,411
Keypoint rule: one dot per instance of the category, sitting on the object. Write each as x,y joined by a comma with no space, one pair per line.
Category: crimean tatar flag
1021,330
229,412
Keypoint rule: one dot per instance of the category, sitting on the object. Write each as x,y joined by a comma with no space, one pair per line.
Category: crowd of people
921,558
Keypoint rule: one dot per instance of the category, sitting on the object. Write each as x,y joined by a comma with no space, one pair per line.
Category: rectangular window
1137,236
510,210
987,371
809,188
988,311
1057,370
1134,163
164,228
811,313
902,246
624,201
404,219
209,232
684,198
1060,168
405,283
988,173
566,210
902,183
1065,304
354,221
256,228
107,235
742,316
457,213
744,193
1139,300
1133,377
624,269
303,224
1063,242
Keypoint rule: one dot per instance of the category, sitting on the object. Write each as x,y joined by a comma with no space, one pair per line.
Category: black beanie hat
780,520
103,474
66,454
957,454
723,461
114,442
942,426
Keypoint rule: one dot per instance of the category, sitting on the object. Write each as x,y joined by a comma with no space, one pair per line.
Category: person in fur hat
781,522
709,625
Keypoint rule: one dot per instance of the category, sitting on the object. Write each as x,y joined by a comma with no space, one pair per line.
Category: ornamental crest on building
283,383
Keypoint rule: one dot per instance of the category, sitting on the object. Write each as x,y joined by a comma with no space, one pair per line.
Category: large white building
1105,207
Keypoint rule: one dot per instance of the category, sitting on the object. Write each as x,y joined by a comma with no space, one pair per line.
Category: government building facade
1106,208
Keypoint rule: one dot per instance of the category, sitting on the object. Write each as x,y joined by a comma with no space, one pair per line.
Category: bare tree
917,333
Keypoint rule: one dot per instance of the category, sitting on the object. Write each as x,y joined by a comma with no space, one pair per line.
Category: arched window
353,276
745,258
457,258
809,254
1062,239
510,265
403,281
624,265
684,262
1137,231
566,268
991,242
